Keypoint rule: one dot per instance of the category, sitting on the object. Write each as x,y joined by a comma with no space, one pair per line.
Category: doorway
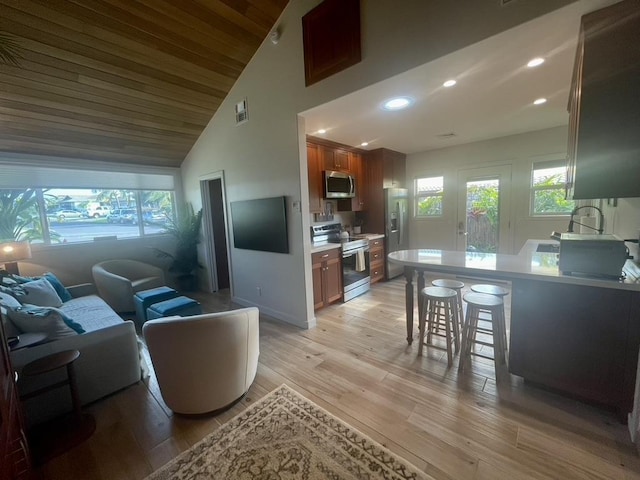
215,231
483,223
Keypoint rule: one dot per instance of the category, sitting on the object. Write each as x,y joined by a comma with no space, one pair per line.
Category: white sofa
109,357
204,362
118,281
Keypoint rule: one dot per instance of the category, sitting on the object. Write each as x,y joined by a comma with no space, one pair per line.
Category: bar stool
439,307
498,291
457,286
493,305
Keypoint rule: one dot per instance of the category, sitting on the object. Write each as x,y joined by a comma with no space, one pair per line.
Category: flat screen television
260,224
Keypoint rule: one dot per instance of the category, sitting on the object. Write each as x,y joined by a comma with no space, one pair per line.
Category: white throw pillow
32,319
40,292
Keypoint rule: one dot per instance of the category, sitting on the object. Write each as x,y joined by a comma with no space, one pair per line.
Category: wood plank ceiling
126,81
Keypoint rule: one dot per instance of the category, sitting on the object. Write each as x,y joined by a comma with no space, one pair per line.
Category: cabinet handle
325,255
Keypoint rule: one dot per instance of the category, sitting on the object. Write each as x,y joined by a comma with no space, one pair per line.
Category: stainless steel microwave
339,185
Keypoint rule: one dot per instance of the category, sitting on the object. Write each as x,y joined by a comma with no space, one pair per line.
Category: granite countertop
526,264
323,247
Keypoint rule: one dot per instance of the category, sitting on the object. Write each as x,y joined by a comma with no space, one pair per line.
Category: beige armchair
117,281
204,362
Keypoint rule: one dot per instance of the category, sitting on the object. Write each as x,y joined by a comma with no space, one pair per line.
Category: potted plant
184,261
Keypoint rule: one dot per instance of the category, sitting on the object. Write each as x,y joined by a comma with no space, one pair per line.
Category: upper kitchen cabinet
314,172
604,105
335,159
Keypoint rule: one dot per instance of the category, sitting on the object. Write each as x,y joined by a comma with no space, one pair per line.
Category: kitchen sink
548,248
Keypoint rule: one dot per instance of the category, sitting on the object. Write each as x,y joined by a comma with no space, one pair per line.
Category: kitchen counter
527,264
324,247
575,334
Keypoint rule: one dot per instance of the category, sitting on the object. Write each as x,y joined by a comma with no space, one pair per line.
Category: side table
25,340
56,436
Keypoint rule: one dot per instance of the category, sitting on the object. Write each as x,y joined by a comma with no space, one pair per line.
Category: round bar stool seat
457,286
494,306
439,306
490,289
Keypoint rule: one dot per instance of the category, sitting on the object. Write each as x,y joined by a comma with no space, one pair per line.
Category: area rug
285,436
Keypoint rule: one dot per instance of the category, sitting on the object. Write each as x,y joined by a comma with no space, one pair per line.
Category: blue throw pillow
57,285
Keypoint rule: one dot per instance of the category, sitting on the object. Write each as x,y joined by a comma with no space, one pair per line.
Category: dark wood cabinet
577,339
335,159
327,277
384,168
314,172
15,460
604,105
376,259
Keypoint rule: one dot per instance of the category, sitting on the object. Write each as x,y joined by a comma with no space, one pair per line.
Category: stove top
330,233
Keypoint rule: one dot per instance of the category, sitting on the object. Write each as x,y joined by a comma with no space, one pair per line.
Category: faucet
600,230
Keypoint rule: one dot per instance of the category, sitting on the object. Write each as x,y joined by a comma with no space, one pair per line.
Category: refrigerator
396,223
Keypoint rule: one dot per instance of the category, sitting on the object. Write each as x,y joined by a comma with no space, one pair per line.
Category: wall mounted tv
260,224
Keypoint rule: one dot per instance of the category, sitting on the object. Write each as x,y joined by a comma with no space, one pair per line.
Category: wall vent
447,135
242,113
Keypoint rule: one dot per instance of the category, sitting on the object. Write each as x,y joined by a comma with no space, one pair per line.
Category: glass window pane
549,176
431,185
429,206
157,210
551,202
19,215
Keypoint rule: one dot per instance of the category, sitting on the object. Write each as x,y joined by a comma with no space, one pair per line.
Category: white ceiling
493,97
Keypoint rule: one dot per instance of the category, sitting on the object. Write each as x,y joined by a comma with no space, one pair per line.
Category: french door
483,223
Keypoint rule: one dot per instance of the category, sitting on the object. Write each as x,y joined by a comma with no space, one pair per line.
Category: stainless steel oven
355,268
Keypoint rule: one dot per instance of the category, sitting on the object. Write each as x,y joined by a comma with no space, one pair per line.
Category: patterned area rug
285,436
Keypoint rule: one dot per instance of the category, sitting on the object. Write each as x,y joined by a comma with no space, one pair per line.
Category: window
67,215
429,192
548,182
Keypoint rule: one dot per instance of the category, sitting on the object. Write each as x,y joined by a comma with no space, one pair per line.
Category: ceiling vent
242,114
446,136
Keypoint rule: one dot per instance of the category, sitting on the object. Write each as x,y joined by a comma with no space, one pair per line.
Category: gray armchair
118,281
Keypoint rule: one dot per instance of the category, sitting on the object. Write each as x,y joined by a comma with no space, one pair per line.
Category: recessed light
449,83
540,101
322,130
397,103
534,62
364,144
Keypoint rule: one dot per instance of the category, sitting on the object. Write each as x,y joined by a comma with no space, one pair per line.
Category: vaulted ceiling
128,81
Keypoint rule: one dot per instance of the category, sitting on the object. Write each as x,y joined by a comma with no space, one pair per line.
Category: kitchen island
576,334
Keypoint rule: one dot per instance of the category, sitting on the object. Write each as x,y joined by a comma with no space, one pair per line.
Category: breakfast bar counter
576,334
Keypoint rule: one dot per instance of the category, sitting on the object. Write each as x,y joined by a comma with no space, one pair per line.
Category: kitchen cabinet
314,172
384,169
604,105
376,259
357,203
15,460
577,339
327,277
335,159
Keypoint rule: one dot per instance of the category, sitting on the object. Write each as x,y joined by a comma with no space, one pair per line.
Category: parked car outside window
123,215
65,214
99,211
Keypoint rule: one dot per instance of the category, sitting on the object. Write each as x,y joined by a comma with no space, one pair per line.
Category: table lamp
11,253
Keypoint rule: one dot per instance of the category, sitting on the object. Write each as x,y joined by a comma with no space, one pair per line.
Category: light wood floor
357,365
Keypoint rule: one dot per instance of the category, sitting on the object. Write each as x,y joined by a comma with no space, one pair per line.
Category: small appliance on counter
597,255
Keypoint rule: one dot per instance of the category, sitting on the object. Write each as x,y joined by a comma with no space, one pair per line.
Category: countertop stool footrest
456,285
183,306
145,298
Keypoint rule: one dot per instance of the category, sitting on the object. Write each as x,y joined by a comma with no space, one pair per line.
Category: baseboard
275,314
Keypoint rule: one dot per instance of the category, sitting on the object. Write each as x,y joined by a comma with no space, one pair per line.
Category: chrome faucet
600,228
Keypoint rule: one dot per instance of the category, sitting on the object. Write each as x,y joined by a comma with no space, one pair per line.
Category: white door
483,223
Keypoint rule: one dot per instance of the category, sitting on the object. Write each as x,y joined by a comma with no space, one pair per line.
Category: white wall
517,151
624,220
266,156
